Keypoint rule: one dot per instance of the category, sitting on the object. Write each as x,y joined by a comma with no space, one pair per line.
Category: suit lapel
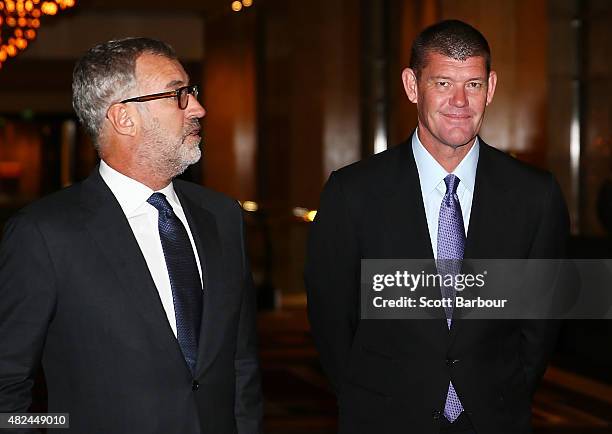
405,211
405,214
203,226
489,210
489,207
111,231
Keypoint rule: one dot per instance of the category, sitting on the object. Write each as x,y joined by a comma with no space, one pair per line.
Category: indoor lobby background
295,89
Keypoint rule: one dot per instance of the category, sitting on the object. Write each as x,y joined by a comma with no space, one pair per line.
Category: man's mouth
457,116
193,130
192,133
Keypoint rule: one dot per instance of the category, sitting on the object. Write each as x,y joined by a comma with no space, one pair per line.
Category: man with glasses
132,288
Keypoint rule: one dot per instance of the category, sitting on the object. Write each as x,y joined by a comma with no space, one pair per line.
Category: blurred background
295,89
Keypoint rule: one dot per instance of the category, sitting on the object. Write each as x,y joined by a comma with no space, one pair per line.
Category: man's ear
121,120
410,84
491,84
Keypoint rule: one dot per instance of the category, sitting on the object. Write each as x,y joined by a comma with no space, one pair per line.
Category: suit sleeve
332,281
27,300
248,407
550,242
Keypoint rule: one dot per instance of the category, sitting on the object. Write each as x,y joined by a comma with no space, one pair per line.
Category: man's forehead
159,72
437,63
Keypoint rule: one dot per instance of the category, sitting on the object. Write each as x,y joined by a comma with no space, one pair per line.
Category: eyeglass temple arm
145,98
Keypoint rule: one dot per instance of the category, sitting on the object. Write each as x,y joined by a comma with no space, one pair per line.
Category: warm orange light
305,214
236,6
249,205
22,17
49,8
310,216
247,3
10,169
22,44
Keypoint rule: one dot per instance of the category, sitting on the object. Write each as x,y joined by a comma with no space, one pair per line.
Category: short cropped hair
451,38
105,74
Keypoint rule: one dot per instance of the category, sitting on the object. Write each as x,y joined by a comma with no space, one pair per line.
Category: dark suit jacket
75,290
392,376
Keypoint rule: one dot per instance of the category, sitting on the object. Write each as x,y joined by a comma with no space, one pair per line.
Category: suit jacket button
451,362
436,414
195,385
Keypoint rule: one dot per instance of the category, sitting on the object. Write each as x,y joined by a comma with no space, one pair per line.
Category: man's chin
460,139
188,159
194,156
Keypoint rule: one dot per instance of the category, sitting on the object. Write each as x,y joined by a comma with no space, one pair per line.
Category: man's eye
474,85
443,84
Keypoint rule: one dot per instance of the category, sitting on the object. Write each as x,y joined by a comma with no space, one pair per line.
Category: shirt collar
431,173
130,193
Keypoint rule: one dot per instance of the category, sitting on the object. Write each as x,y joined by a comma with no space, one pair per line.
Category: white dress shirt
142,217
433,188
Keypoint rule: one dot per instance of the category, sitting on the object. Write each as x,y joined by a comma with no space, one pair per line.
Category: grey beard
165,158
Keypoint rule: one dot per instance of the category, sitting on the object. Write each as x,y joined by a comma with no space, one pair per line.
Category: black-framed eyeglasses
181,94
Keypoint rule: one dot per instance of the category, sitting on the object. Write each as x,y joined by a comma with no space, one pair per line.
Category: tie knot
159,201
451,182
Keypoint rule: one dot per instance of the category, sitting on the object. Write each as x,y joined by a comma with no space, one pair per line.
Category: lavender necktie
451,244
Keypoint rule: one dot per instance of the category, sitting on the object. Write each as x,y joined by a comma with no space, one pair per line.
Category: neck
447,156
138,173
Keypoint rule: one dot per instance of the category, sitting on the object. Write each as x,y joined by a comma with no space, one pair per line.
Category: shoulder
377,169
515,173
56,206
217,203
54,215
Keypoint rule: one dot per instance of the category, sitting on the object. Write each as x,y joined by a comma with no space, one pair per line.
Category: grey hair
105,74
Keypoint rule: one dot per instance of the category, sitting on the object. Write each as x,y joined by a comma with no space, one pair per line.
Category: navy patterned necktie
451,245
184,278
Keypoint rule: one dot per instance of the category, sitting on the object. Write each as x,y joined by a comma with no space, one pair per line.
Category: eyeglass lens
184,96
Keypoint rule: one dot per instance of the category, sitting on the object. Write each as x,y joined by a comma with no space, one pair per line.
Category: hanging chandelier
20,20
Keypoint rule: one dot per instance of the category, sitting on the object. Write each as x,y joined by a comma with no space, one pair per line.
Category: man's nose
458,98
194,109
